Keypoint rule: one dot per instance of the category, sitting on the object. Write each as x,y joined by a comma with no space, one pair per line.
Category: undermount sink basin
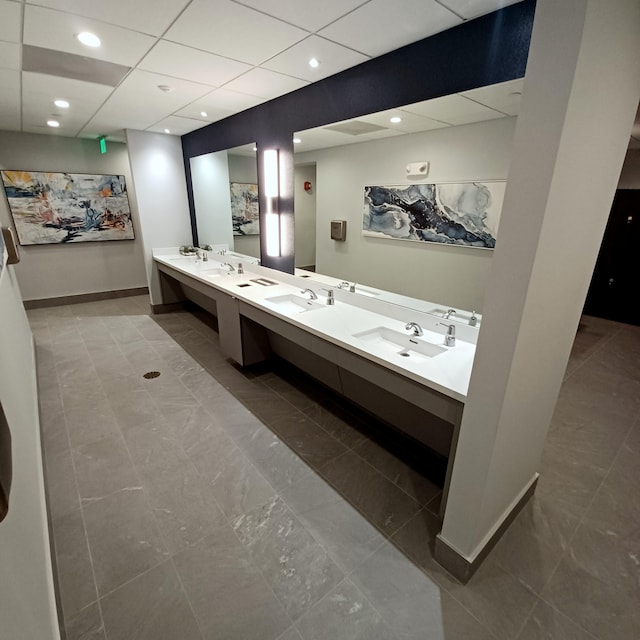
390,341
291,303
213,273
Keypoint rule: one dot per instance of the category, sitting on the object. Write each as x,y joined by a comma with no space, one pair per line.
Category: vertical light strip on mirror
272,195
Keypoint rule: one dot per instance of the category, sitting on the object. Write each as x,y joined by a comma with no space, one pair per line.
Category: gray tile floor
217,503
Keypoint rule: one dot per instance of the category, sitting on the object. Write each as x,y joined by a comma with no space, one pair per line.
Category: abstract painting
50,208
244,209
462,214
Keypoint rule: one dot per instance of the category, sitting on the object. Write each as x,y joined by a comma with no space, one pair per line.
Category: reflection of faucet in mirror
345,285
417,329
311,292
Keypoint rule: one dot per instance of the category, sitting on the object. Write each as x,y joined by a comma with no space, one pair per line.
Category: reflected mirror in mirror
463,137
225,194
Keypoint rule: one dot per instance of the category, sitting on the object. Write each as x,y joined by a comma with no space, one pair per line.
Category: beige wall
49,271
27,606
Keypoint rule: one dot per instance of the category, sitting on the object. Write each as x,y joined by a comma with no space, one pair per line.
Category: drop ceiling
213,57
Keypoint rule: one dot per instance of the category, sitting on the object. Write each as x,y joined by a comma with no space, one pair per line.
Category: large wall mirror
225,193
465,138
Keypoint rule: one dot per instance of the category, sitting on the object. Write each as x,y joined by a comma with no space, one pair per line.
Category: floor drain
151,374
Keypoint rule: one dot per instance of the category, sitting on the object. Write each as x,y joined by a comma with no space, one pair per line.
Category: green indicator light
103,144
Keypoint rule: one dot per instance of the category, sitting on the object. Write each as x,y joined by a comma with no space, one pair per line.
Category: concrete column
580,97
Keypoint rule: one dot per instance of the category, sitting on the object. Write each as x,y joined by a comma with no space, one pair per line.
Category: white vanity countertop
448,372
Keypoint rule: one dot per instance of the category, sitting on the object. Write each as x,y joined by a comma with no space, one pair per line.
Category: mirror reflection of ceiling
486,103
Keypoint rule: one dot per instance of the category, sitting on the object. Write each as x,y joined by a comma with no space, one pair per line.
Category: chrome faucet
417,329
449,313
228,264
311,292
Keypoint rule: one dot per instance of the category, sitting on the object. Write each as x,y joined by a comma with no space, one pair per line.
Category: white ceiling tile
10,56
177,126
138,103
10,21
35,126
411,122
321,138
233,31
52,29
505,97
377,28
10,99
176,60
454,109
39,91
10,121
473,8
45,89
219,104
146,16
35,116
265,84
102,127
226,100
332,57
308,14
195,113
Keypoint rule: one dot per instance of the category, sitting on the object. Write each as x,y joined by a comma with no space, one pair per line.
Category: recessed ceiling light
165,88
53,123
203,114
167,131
395,119
89,39
314,62
297,141
255,148
63,104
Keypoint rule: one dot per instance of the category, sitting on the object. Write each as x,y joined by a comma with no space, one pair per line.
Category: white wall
244,169
161,191
452,276
305,219
27,605
210,180
630,176
49,271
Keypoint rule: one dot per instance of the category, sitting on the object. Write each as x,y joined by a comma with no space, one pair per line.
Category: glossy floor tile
215,502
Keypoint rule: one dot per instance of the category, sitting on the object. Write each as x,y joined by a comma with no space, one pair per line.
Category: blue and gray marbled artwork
464,214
